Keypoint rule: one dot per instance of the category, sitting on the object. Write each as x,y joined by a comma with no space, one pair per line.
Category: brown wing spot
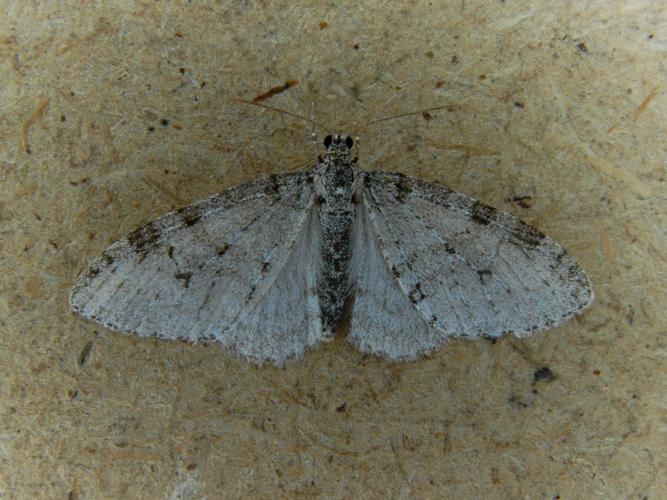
185,277
92,272
573,271
484,276
144,239
482,214
403,188
190,215
561,254
272,185
416,295
527,235
170,252
245,226
367,181
222,249
265,267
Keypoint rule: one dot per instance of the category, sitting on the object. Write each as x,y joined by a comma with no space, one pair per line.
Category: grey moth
268,268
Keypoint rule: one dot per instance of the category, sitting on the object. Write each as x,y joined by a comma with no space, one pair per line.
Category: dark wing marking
210,270
467,268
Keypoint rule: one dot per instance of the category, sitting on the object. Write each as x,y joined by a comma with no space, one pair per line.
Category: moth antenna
284,111
313,135
393,117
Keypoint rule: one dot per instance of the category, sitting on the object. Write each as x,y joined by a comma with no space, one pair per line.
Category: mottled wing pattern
467,269
383,319
285,319
222,269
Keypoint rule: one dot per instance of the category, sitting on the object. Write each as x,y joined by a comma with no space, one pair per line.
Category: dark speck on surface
515,401
85,352
545,374
523,201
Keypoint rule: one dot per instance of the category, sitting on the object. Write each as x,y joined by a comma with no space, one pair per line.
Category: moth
268,268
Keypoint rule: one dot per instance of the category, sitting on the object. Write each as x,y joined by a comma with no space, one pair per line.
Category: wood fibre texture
114,114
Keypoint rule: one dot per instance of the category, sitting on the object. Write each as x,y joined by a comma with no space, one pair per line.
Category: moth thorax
338,179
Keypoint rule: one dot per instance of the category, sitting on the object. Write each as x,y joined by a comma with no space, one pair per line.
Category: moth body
337,179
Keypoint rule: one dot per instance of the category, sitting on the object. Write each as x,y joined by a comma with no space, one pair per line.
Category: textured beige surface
562,101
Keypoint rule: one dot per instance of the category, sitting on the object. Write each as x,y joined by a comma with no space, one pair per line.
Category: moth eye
349,142
327,141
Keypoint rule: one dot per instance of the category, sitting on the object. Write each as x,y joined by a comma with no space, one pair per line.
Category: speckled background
112,113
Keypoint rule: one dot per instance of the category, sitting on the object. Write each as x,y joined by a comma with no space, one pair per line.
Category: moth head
338,142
